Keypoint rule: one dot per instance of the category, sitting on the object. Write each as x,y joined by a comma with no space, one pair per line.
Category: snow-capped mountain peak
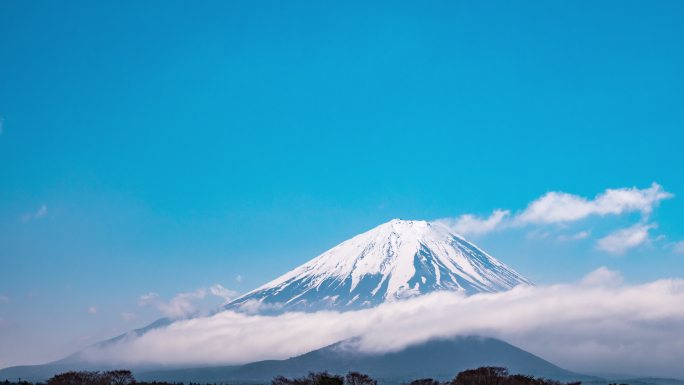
398,259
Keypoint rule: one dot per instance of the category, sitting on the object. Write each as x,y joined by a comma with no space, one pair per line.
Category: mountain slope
395,260
439,359
76,361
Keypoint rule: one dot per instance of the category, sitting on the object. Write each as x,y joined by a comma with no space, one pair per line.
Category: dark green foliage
320,378
112,377
120,377
491,375
487,375
356,378
79,378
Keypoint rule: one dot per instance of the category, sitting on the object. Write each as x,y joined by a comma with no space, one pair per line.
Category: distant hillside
439,359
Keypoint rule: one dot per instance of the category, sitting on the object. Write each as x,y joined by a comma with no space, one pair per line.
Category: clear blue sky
167,146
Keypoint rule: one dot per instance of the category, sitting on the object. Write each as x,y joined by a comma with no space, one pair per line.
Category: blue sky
164,147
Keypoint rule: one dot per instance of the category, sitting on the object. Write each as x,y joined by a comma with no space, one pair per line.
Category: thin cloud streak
598,324
41,212
619,241
679,247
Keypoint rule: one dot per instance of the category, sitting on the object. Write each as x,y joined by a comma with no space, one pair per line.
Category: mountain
439,359
76,361
398,259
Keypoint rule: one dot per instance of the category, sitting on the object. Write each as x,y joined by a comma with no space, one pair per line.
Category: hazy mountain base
438,359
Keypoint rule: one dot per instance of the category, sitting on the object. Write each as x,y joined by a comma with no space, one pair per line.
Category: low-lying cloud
599,324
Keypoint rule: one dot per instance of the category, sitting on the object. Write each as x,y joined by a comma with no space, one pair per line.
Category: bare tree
356,378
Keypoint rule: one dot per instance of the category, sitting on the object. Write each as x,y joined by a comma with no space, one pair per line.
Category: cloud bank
597,324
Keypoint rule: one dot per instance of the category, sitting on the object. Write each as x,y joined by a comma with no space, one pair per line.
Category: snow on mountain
398,259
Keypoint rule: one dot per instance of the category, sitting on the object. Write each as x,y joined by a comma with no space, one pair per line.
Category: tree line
487,375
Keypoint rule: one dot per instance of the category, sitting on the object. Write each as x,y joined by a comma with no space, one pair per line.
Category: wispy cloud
222,292
560,208
679,247
469,224
574,237
598,324
39,213
187,303
127,316
92,310
602,277
181,305
147,299
239,278
619,241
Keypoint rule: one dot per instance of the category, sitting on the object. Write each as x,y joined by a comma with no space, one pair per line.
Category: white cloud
182,304
679,247
574,237
556,207
39,213
222,292
92,310
602,277
619,241
254,306
469,224
147,299
185,304
239,278
598,324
